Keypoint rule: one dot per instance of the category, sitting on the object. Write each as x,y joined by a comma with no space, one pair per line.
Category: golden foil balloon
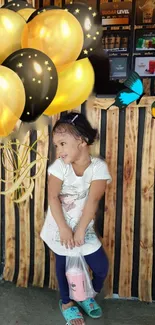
41,10
12,100
11,27
26,13
57,33
74,86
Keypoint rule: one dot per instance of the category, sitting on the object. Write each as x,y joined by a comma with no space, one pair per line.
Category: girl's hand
79,236
66,237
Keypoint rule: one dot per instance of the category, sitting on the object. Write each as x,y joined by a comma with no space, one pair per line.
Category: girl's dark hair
77,125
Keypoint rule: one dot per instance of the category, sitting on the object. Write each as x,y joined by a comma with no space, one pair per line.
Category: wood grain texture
39,198
110,196
52,277
1,3
147,198
93,112
46,3
94,117
146,84
10,261
128,204
104,103
53,284
58,3
24,226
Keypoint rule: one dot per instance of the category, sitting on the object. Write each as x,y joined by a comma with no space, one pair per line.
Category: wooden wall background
126,216
127,140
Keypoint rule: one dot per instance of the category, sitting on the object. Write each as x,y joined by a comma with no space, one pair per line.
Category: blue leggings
97,261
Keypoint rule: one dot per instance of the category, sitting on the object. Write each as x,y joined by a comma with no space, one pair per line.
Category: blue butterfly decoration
133,92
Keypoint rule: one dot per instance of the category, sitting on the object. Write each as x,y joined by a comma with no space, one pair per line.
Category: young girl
77,181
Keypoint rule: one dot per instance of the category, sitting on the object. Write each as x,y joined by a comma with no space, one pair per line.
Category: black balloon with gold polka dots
89,20
17,5
39,77
41,10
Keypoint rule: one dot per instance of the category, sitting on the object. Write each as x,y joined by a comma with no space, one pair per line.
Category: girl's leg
64,288
61,277
98,262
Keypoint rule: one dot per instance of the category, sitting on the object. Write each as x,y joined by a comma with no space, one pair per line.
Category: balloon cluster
44,69
44,65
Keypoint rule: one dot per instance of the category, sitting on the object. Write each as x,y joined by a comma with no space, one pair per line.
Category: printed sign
145,40
145,66
118,68
116,13
145,12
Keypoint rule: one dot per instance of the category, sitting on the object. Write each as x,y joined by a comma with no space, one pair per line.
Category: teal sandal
91,308
70,314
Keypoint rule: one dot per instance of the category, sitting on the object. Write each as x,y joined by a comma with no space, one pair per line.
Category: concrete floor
35,306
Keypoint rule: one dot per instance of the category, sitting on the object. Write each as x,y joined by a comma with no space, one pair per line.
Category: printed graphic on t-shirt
69,200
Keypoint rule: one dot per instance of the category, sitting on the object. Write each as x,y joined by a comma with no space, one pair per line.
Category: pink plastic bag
80,284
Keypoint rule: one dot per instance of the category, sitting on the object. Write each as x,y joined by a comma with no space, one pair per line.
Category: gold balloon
11,27
26,12
74,86
57,33
12,100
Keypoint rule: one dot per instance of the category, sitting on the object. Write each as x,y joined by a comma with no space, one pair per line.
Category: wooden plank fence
127,140
27,260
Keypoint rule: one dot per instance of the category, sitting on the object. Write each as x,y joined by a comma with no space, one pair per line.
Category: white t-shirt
73,195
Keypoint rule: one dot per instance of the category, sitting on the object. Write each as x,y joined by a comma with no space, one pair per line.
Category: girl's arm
54,188
97,190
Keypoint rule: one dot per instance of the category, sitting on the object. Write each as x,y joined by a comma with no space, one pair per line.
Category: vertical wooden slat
128,204
77,109
147,197
58,3
1,3
147,84
110,197
24,226
53,284
103,1
54,119
94,116
39,197
9,268
32,2
36,4
52,278
46,3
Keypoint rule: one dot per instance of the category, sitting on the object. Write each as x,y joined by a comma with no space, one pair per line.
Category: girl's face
68,148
